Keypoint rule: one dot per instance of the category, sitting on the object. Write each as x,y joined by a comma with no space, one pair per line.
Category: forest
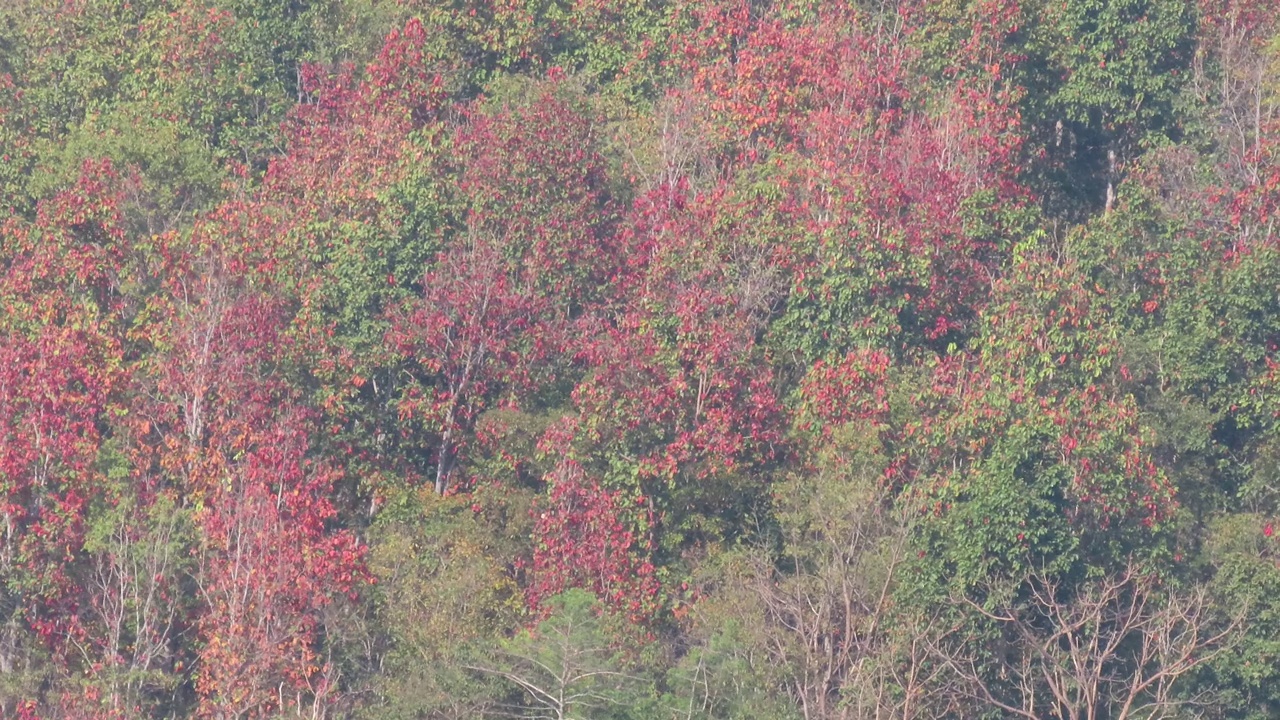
639,359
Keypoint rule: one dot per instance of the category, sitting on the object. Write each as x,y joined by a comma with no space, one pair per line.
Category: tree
812,615
1115,647
226,428
585,540
445,596
467,331
62,278
567,667
1094,81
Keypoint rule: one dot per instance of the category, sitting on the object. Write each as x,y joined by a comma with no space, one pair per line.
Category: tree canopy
608,359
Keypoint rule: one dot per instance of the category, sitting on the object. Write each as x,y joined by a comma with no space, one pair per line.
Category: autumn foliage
736,359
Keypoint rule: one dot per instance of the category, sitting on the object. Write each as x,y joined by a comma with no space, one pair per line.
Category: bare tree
131,591
1114,648
819,621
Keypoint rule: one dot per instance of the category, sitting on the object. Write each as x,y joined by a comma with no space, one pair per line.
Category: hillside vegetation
639,359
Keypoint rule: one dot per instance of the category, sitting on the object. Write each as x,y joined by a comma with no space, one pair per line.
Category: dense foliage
640,359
